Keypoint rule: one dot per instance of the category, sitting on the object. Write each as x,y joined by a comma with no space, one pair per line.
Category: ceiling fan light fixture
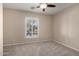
43,6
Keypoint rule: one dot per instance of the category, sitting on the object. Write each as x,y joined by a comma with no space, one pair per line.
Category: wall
1,30
14,29
65,27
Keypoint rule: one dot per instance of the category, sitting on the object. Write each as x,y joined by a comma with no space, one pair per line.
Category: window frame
26,20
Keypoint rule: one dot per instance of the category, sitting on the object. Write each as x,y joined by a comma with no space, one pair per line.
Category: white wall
14,26
1,30
65,27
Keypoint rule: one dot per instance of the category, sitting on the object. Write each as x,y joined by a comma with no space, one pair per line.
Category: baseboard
25,43
42,41
66,45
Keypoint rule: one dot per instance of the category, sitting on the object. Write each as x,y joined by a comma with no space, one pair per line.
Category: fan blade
51,5
35,7
44,9
38,7
32,7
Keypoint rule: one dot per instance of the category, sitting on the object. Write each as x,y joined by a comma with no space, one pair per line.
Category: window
31,27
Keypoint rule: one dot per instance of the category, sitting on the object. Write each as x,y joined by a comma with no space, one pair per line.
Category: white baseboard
14,44
66,45
43,41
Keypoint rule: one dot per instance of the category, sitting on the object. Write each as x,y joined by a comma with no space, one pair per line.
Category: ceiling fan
43,6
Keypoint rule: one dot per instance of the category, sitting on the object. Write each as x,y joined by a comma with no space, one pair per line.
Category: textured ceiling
27,7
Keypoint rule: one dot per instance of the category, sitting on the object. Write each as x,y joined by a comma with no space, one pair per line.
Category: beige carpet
39,49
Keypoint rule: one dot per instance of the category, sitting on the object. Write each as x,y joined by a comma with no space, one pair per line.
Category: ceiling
27,7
